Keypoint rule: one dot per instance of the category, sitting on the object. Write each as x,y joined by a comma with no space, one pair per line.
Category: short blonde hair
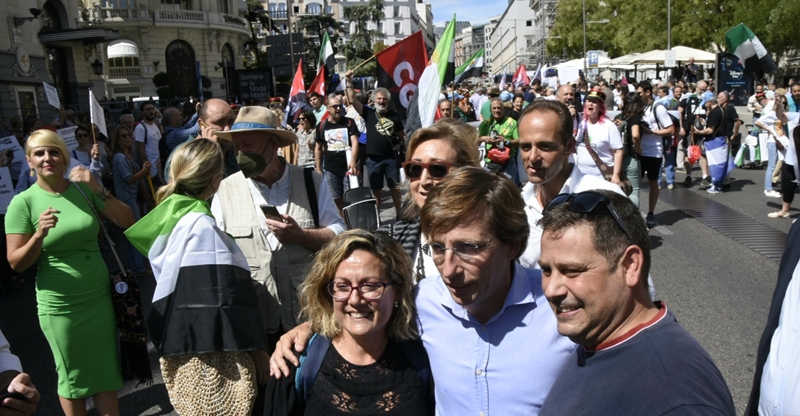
317,303
47,138
193,168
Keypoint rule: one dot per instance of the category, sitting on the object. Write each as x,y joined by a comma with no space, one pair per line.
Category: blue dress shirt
505,367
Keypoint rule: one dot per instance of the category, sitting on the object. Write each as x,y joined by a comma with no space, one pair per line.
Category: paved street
718,288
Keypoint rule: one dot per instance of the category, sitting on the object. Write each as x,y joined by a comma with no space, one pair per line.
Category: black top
336,136
730,117
690,106
715,121
390,386
627,145
660,370
382,132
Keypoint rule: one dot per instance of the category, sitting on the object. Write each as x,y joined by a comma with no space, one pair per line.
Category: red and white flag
521,76
318,85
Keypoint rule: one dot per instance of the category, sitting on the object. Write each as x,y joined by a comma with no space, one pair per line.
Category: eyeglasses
437,169
301,119
335,107
82,135
465,251
588,202
341,291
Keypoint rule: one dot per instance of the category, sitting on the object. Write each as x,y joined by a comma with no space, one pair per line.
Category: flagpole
362,63
93,136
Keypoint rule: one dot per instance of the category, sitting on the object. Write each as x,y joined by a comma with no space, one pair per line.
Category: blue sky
473,11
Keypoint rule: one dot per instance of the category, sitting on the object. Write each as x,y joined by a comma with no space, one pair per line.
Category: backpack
668,144
311,361
692,105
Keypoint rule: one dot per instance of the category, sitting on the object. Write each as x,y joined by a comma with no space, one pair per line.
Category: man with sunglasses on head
492,343
334,136
633,358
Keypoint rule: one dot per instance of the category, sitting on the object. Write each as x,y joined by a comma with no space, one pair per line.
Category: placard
255,84
10,142
669,59
68,134
6,189
52,95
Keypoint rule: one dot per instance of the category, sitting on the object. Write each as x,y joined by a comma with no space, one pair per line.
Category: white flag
96,111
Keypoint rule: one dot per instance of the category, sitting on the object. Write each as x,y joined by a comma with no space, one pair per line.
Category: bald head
217,115
172,117
566,93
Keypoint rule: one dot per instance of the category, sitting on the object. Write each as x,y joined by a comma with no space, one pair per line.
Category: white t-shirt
149,135
604,138
652,144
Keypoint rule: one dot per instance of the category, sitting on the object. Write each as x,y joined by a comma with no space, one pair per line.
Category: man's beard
382,109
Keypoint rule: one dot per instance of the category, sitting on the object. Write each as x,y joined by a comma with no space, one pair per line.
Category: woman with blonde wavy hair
204,318
357,299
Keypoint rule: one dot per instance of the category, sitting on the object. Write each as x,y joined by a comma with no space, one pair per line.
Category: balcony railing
131,71
116,14
180,15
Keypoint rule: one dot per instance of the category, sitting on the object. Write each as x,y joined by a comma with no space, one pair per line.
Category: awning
92,35
121,48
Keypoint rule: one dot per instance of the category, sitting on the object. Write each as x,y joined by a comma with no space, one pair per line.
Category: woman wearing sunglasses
366,356
432,153
87,152
305,138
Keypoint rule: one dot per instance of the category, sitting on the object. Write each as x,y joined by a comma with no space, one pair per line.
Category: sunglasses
437,169
82,135
301,119
586,203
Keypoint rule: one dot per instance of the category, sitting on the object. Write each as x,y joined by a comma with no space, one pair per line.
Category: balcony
181,17
124,72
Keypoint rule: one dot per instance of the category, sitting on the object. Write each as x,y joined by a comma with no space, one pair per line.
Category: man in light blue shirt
491,337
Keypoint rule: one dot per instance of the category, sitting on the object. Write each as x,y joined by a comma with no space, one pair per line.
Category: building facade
512,38
544,17
114,48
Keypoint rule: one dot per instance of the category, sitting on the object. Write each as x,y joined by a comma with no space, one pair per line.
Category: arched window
181,66
123,58
314,8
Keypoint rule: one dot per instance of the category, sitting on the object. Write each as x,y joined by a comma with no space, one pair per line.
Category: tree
362,40
313,26
256,17
163,83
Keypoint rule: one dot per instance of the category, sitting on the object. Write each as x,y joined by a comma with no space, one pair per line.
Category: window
328,9
380,27
295,9
396,11
529,23
222,6
397,28
177,4
314,8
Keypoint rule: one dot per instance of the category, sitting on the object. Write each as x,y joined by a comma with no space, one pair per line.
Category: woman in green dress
52,224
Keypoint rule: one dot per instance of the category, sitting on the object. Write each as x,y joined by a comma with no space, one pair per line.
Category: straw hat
212,384
260,119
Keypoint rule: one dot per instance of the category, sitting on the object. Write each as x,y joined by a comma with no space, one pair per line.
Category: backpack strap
310,363
311,191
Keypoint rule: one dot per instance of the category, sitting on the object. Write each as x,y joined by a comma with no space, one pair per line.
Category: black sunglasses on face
588,202
437,170
82,135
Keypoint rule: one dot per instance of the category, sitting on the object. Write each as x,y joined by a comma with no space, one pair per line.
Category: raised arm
351,93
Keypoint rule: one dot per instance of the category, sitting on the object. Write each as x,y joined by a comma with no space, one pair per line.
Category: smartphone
271,212
13,395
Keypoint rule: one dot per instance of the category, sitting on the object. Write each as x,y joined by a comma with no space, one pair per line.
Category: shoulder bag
605,170
127,300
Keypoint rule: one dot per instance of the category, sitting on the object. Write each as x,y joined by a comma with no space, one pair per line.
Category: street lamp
584,34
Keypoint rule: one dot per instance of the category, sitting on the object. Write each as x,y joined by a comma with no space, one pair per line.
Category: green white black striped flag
742,42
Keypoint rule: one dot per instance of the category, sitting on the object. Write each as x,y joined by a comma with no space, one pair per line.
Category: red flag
399,68
319,83
297,95
521,76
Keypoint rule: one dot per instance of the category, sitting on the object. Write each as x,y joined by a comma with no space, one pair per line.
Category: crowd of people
510,201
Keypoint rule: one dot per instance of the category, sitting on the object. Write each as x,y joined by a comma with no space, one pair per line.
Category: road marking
663,230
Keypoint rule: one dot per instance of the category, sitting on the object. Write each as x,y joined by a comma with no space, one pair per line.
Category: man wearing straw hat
279,215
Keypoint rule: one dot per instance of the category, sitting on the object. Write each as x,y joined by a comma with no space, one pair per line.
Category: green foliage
379,47
313,27
363,40
641,25
166,93
162,79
